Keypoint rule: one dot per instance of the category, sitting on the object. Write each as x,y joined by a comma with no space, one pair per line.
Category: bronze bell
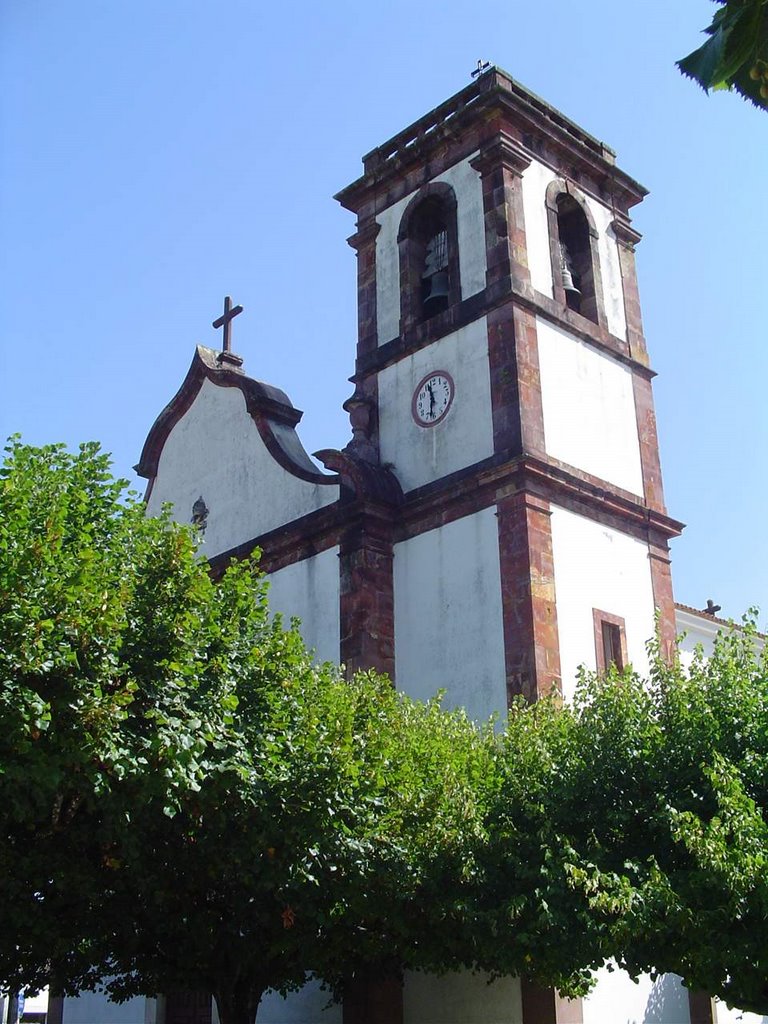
572,293
438,286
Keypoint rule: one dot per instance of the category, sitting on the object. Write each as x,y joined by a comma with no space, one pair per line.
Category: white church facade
500,503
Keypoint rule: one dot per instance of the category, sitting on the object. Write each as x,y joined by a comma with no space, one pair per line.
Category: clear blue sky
159,154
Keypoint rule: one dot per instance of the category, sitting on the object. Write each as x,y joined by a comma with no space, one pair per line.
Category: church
497,518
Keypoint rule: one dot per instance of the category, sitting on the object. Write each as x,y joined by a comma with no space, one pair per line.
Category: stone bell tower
502,377
531,329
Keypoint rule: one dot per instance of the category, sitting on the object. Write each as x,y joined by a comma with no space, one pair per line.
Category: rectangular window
610,641
612,646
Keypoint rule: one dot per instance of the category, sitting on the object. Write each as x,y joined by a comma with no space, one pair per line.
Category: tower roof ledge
495,88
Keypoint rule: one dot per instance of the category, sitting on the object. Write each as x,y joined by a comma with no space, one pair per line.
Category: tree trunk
238,1004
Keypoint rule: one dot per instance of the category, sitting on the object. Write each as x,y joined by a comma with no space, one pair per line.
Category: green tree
310,850
91,593
735,56
542,924
665,802
186,800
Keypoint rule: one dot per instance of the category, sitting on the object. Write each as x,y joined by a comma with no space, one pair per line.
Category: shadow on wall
667,1003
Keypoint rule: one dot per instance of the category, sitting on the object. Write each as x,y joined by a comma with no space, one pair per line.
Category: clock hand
431,399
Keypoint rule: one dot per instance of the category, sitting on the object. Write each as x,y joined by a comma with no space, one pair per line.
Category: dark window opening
612,653
429,236
610,641
575,256
429,263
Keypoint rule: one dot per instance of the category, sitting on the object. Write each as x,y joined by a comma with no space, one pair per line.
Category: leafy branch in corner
735,56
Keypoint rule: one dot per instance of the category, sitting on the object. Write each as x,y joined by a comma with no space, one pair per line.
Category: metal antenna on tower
482,65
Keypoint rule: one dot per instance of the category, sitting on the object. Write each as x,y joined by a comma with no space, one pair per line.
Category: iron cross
225,321
482,65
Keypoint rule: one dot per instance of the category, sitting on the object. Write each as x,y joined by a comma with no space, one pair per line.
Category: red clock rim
432,373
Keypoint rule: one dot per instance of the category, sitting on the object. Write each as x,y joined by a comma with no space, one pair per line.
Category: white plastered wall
461,998
588,400
536,179
610,268
310,590
617,999
448,616
35,1004
465,436
598,567
726,1015
698,629
94,1008
470,217
215,452
694,634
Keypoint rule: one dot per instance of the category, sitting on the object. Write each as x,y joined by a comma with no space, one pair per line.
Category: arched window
429,264
575,262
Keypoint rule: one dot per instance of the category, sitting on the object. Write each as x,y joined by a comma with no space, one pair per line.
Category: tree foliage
188,801
735,56
101,613
310,853
666,806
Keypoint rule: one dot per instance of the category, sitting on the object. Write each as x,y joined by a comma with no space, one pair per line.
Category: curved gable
231,441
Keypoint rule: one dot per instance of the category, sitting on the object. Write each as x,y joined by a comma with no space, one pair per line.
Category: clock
432,398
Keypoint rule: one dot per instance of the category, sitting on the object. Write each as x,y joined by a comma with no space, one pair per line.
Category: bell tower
502,377
501,354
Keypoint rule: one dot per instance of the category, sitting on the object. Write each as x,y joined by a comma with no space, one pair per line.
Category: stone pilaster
501,164
649,442
516,406
364,244
368,641
627,238
531,644
547,1006
373,1000
701,1008
55,1013
367,608
663,598
185,1006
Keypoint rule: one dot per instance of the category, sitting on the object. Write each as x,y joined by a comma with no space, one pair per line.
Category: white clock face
432,398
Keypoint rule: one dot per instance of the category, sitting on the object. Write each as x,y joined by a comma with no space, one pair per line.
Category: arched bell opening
574,250
429,265
432,254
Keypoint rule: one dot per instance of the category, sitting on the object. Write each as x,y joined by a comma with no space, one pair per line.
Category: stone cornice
625,234
505,151
480,305
364,235
486,482
385,510
494,92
